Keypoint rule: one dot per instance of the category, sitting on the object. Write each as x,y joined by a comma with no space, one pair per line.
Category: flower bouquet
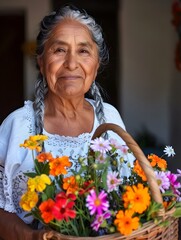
97,200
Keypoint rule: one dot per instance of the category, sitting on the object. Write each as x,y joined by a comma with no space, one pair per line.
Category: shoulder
18,119
112,115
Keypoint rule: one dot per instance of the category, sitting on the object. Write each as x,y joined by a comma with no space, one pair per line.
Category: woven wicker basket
149,230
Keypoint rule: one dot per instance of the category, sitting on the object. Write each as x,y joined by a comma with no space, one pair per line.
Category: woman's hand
13,228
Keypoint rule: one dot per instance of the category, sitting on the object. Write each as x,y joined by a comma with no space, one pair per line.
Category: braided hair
48,23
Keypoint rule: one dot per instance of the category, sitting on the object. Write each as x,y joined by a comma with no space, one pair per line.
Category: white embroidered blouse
14,161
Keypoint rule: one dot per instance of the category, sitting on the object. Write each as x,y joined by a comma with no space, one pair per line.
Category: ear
40,64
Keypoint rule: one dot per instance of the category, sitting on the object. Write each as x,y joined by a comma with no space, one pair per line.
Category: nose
71,61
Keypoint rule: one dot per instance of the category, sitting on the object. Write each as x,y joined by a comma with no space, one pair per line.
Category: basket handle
138,153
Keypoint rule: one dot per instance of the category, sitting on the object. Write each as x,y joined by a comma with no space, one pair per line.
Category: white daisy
169,151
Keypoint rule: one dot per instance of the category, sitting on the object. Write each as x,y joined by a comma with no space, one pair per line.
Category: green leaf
104,179
49,192
30,174
153,210
41,167
177,212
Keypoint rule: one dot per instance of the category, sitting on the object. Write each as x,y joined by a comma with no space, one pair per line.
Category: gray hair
46,26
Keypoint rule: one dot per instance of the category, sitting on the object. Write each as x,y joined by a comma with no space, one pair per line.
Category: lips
69,77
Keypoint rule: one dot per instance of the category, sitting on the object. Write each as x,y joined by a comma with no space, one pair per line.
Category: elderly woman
70,52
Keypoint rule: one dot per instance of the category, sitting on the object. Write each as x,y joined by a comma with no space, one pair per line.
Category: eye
59,50
84,51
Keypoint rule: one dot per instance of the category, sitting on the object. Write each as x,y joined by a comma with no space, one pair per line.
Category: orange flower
125,222
139,171
46,210
70,184
137,198
58,165
42,157
157,161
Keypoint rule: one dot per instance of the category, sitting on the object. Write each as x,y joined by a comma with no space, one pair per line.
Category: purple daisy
100,145
97,204
113,181
99,220
163,181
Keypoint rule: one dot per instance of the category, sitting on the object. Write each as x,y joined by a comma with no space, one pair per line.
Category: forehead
69,28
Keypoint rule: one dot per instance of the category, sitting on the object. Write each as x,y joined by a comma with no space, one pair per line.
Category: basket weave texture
149,230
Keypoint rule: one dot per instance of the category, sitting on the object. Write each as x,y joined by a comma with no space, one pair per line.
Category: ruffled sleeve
14,129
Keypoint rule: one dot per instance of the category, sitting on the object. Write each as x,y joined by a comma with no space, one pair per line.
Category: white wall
34,10
150,83
147,52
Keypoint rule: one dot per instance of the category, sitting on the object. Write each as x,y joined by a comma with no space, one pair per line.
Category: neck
56,106
68,117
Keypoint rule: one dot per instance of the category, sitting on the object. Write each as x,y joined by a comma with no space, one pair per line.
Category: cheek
91,68
52,66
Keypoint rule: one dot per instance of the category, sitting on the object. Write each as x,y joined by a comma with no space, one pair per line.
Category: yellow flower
38,138
125,222
38,183
137,198
28,200
34,142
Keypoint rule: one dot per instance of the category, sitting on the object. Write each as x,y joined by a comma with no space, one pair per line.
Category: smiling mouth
70,77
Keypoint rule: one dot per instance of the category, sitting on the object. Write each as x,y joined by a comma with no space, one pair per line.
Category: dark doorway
105,13
11,62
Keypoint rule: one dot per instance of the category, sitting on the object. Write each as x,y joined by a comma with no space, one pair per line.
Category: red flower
63,208
46,210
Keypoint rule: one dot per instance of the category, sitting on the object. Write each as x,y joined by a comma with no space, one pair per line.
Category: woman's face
70,60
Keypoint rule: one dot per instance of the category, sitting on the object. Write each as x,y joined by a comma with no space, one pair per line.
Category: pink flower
99,220
101,158
100,145
124,149
112,181
163,181
97,204
114,143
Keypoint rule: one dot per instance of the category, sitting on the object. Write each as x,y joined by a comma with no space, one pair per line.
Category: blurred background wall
144,84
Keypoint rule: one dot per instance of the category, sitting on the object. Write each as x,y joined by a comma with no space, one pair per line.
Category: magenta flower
174,183
100,145
99,220
113,181
97,204
163,181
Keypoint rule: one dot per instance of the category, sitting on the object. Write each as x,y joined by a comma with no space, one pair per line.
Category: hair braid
40,91
99,109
